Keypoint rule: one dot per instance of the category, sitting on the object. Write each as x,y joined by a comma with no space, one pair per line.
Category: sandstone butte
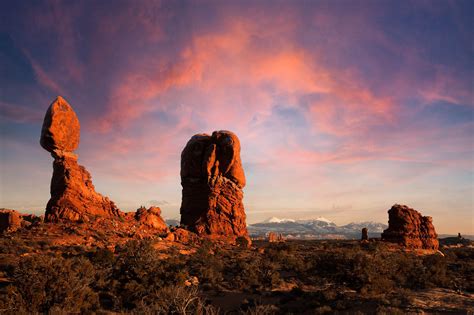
212,177
410,229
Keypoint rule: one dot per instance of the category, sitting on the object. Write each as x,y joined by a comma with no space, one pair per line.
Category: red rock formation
12,220
183,236
409,228
73,196
365,234
151,217
61,129
212,178
275,238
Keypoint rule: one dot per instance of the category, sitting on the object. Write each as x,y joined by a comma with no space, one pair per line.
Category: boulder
183,236
151,217
61,128
212,177
10,220
73,196
410,229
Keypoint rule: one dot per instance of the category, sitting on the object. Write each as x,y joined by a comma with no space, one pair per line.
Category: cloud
154,202
21,114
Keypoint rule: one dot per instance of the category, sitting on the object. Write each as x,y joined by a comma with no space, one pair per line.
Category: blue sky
343,108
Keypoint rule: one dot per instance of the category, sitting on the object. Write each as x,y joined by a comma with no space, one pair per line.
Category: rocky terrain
87,256
38,273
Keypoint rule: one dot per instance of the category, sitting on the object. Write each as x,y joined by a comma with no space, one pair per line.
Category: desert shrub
207,264
261,309
174,299
13,246
287,256
254,272
102,257
242,242
139,271
41,283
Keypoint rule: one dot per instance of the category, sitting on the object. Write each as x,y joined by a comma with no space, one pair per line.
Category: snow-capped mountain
320,228
277,220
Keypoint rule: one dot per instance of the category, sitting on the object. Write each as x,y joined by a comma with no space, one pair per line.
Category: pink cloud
20,113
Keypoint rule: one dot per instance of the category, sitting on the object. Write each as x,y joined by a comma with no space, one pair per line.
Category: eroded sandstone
73,196
212,177
410,229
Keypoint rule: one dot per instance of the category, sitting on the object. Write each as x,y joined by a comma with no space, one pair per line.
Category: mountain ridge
320,228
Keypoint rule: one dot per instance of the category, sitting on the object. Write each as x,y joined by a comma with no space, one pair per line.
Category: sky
343,108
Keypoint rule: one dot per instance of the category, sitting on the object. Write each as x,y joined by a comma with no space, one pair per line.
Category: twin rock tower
211,175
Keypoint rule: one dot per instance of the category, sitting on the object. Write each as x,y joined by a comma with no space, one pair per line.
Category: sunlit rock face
409,228
61,129
73,197
151,217
213,178
12,220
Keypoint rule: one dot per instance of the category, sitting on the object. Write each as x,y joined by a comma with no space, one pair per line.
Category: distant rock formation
409,228
73,196
213,178
275,238
12,220
365,234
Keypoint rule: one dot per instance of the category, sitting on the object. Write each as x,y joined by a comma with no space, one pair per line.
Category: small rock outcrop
12,220
410,229
365,234
213,178
151,217
275,238
73,196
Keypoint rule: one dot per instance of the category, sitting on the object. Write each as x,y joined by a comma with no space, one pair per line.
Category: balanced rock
213,178
151,217
410,229
73,196
61,128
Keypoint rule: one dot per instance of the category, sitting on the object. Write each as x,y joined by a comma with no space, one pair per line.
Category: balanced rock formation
213,178
410,229
73,196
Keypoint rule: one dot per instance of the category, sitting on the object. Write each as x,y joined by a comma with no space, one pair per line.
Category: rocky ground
108,268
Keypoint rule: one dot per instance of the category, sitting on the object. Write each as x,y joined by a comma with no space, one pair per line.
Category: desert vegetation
269,278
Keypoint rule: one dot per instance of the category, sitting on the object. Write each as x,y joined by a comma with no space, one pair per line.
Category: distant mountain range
320,228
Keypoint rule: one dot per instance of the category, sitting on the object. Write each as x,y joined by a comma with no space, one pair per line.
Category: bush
174,300
41,283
